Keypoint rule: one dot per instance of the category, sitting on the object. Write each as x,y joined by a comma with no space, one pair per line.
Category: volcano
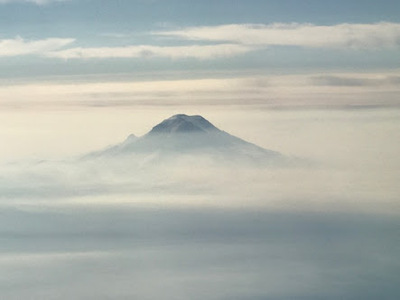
184,135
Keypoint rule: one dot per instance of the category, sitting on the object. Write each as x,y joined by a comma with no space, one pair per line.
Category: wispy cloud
350,36
52,47
19,46
147,51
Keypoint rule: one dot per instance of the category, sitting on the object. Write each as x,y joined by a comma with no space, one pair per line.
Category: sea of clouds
124,228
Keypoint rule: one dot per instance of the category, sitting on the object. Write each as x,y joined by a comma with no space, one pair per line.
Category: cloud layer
213,42
148,51
133,253
303,90
347,36
354,153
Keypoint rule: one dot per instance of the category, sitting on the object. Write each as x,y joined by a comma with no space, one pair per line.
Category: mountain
182,136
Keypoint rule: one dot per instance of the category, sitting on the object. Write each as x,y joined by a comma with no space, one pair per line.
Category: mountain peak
182,123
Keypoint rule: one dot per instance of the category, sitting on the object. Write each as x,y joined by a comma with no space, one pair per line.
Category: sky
71,37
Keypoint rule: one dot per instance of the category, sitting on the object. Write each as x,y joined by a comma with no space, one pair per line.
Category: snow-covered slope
183,135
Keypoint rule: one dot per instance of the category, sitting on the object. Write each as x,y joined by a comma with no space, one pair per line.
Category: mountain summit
189,136
183,124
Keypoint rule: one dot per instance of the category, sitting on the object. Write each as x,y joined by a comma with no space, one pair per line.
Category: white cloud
175,52
19,46
356,36
51,47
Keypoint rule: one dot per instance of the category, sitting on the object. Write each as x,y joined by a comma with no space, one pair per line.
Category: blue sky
111,26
